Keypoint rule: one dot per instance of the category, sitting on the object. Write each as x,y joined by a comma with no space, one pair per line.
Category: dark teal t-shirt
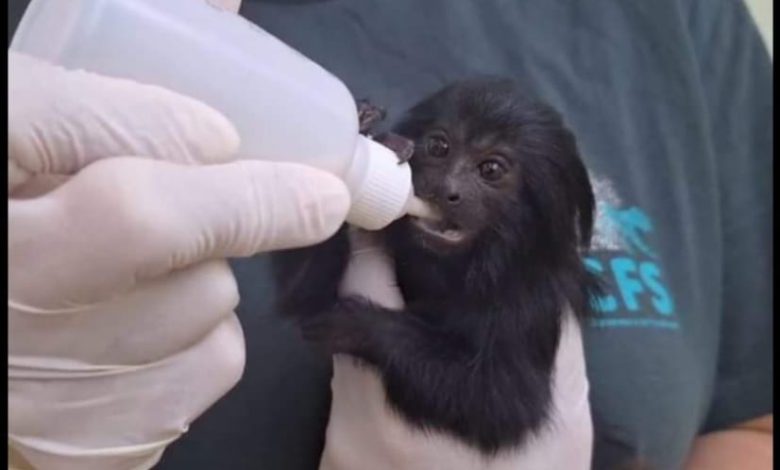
671,101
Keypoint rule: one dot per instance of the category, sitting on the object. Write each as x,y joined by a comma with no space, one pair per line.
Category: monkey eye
437,146
491,170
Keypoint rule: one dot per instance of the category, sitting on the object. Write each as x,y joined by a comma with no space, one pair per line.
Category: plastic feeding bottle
285,107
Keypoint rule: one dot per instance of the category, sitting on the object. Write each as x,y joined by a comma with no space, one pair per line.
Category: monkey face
501,168
467,181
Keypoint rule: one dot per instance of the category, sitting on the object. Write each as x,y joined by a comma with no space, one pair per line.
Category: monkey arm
434,377
308,278
378,335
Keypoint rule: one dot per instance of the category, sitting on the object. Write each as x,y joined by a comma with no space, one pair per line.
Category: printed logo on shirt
635,291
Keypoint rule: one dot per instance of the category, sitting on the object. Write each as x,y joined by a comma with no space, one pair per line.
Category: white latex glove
120,309
364,433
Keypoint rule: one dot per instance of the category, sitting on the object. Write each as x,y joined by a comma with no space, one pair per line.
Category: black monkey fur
486,288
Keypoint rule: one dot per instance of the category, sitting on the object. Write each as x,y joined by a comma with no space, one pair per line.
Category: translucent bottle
285,107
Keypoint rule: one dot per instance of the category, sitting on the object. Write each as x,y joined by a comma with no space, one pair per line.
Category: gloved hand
121,330
362,428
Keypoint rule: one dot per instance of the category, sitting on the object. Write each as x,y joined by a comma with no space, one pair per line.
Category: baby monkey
486,285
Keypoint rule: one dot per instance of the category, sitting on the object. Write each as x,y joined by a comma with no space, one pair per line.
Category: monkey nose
453,198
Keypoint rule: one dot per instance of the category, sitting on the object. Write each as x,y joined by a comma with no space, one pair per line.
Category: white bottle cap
382,191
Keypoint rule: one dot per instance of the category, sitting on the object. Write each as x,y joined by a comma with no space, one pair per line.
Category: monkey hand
123,203
368,284
348,327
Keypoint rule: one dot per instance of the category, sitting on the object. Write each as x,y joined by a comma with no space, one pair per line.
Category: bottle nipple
418,208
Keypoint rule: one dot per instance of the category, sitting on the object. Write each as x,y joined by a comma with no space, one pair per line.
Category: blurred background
761,10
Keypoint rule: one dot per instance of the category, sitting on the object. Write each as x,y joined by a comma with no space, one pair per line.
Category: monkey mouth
442,230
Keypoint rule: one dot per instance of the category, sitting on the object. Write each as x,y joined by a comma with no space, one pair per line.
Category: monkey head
501,169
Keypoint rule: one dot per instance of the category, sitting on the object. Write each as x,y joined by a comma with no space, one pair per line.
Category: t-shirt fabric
671,103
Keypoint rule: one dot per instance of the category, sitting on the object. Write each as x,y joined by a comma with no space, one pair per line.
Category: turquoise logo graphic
636,294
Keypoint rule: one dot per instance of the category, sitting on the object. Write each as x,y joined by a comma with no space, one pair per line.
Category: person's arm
120,301
746,446
736,77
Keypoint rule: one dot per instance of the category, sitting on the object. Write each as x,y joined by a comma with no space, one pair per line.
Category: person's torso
622,76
